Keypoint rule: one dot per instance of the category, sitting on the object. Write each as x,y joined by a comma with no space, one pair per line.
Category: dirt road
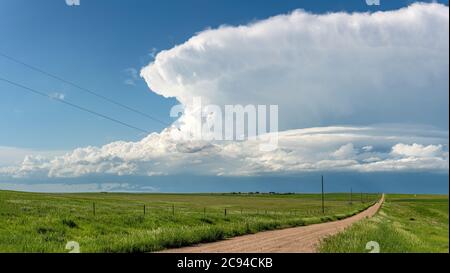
298,239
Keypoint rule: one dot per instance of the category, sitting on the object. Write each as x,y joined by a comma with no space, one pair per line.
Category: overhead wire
79,87
71,104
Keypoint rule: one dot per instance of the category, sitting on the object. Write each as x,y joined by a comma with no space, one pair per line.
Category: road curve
290,240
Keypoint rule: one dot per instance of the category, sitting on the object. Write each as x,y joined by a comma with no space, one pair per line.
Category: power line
83,89
72,105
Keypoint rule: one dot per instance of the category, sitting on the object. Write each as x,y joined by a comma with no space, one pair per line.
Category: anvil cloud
336,68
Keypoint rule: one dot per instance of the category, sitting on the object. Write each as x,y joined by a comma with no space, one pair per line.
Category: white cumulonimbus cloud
336,68
321,70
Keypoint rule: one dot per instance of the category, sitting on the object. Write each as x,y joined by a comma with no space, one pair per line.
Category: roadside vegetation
118,222
405,223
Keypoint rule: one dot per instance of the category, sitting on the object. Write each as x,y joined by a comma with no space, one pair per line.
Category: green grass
34,222
405,223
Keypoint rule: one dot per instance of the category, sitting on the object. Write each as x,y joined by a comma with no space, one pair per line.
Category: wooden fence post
323,199
351,196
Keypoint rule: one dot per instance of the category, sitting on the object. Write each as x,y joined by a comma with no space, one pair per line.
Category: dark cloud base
432,183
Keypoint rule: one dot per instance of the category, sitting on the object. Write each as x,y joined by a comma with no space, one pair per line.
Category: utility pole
323,207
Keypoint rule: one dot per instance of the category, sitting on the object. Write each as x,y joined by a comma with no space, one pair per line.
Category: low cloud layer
361,149
76,187
13,155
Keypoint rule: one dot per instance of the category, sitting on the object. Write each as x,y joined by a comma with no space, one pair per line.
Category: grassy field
34,222
405,223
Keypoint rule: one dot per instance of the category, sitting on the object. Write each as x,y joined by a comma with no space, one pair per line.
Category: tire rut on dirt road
290,240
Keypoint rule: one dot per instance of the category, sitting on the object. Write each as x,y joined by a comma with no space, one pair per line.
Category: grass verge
405,223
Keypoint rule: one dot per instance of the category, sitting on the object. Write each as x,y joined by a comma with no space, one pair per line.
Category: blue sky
349,122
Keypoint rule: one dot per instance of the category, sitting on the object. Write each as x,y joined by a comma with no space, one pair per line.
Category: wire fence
305,207
336,207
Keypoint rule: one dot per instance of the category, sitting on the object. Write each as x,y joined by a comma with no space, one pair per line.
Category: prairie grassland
36,222
405,223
